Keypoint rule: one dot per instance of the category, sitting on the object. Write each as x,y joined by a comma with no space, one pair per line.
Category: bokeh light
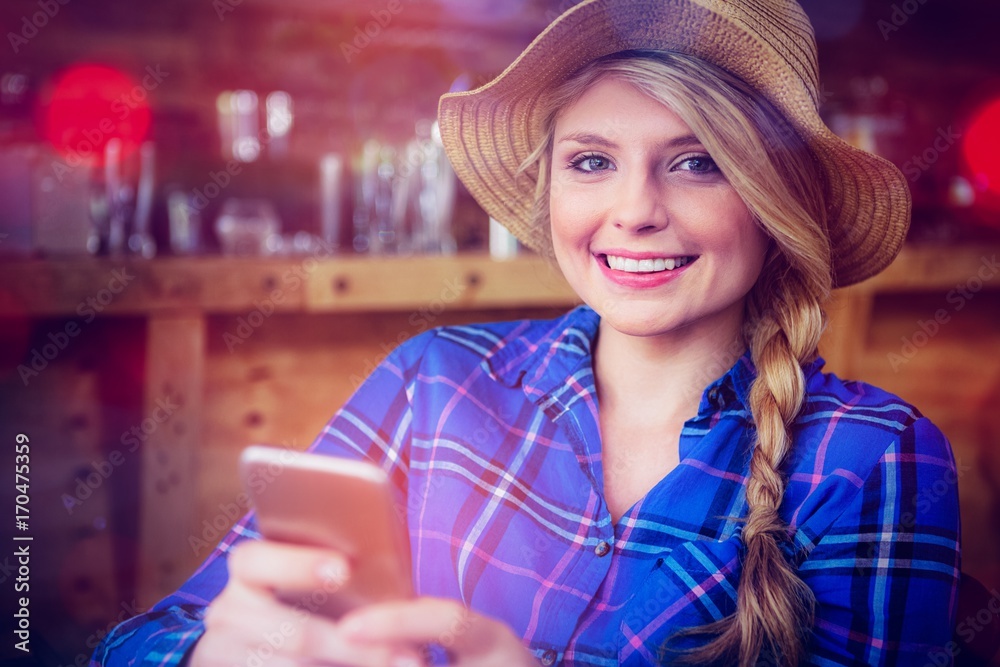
981,147
91,104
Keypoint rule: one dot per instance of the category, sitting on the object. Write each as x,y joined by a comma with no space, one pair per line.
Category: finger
246,625
423,620
274,565
321,640
217,651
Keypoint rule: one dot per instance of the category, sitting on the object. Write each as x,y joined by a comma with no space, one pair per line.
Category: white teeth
630,265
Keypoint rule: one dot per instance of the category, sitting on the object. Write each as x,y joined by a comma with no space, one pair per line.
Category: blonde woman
664,475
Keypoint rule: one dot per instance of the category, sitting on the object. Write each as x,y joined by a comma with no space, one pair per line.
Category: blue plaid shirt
490,434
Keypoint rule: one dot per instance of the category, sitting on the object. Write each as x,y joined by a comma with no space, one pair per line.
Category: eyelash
580,159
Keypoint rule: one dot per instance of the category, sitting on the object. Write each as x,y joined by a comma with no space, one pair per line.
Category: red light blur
91,104
981,147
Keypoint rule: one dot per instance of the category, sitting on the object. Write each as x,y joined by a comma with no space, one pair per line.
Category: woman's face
645,227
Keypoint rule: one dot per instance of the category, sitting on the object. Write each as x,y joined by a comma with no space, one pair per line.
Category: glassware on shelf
503,244
248,227
48,207
238,115
404,197
331,179
119,196
140,241
374,224
430,191
385,236
365,184
299,243
184,219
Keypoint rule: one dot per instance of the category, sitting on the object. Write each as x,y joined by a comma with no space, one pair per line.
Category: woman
664,474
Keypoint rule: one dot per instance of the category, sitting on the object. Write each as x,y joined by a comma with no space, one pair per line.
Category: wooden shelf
292,284
62,287
931,268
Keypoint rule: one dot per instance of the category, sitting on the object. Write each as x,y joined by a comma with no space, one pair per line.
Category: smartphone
337,503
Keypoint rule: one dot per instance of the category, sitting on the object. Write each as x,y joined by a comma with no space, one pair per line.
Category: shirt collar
543,355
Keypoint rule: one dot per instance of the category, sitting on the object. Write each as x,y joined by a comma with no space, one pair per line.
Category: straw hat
488,132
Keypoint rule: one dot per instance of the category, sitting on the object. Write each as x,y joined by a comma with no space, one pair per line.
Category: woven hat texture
490,131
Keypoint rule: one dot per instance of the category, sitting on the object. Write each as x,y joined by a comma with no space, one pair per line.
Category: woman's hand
471,639
248,625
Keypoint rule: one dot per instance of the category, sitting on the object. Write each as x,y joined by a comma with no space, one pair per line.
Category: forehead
613,109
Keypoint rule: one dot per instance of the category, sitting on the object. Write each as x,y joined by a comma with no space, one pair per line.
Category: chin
637,324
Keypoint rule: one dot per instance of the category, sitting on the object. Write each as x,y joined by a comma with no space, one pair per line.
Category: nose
638,205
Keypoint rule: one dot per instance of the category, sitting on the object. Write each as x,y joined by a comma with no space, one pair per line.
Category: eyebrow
598,140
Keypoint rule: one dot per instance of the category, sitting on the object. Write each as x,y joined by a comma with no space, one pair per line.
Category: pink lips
640,280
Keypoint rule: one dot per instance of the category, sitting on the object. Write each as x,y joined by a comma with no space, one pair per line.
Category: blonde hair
777,177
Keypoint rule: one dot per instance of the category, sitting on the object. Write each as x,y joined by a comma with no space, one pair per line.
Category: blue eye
590,162
700,164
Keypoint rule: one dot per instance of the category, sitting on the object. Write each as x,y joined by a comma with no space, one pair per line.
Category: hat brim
489,132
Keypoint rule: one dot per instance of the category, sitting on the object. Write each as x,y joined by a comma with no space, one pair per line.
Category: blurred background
217,216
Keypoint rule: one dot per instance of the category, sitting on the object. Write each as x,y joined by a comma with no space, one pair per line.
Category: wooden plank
940,268
172,432
843,342
415,283
85,286
88,287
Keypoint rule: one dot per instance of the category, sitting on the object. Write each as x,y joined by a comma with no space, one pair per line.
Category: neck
664,374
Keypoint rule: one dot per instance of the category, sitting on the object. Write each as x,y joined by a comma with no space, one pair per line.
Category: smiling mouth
657,265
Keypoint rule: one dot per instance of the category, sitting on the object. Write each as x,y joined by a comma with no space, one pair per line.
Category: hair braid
775,606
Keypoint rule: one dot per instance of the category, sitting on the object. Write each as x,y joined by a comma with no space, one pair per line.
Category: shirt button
713,395
549,658
602,548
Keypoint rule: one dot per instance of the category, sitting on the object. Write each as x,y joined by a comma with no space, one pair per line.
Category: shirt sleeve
886,573
374,424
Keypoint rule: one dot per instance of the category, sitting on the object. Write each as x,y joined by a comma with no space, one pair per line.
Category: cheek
756,242
748,252
739,243
569,217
